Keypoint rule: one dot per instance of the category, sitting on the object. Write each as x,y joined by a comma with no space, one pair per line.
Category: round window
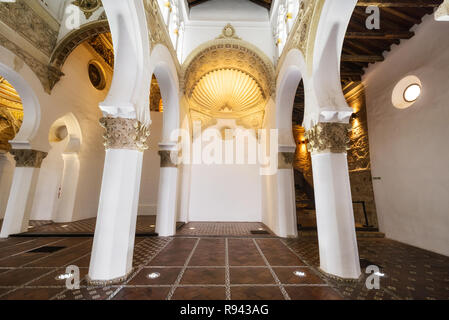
96,75
406,92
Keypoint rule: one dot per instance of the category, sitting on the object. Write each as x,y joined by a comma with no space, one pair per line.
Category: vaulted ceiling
363,46
263,3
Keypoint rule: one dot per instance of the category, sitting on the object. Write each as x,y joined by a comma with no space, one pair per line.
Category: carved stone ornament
328,137
88,7
285,160
228,32
124,133
28,158
166,159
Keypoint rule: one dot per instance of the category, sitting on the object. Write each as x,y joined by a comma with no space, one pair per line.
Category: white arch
292,71
58,178
30,102
164,69
128,94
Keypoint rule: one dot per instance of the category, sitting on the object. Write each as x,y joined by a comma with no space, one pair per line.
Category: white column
286,195
112,251
69,186
17,215
167,196
335,217
6,174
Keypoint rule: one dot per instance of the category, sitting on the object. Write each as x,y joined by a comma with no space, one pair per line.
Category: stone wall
358,157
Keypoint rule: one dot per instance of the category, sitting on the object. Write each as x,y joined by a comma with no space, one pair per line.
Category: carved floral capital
122,133
285,160
328,137
28,158
166,159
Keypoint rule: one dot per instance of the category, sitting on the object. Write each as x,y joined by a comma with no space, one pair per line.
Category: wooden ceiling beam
361,58
379,35
401,3
401,15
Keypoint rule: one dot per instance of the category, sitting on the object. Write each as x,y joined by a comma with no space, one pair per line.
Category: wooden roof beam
401,3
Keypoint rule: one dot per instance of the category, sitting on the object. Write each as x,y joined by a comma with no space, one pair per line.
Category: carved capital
122,133
285,160
328,137
166,159
28,158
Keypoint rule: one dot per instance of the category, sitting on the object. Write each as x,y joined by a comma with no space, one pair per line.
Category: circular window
412,92
96,75
406,92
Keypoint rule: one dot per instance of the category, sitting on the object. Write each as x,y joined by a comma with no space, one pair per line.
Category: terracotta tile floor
145,226
195,267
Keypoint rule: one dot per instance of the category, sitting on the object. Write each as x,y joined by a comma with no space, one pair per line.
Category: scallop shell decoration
226,91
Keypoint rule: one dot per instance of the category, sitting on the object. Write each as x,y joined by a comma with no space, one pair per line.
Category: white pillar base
335,217
113,246
20,199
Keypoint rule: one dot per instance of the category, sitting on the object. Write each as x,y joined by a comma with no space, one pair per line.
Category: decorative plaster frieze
88,7
48,75
328,137
28,158
122,133
302,35
166,159
22,19
158,33
285,160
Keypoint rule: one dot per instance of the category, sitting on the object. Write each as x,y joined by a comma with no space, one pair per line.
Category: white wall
74,93
409,148
225,192
230,10
207,20
149,184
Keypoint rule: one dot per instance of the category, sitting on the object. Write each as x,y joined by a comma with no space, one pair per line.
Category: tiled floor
145,226
196,267
228,229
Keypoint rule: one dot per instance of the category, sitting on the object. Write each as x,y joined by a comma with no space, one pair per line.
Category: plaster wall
409,147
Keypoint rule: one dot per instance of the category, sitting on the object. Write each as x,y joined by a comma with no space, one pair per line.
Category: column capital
123,133
166,159
328,137
28,158
285,160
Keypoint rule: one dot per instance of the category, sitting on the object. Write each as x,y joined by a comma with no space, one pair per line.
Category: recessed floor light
299,273
64,276
154,275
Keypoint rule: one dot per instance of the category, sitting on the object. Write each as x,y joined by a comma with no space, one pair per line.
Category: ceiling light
154,275
192,228
412,92
64,226
152,226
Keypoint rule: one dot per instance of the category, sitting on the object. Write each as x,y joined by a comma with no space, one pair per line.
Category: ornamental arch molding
72,40
228,53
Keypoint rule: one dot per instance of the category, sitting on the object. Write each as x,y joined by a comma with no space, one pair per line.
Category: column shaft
112,250
287,225
333,201
21,195
167,197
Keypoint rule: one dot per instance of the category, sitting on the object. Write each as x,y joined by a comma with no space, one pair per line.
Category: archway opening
11,118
